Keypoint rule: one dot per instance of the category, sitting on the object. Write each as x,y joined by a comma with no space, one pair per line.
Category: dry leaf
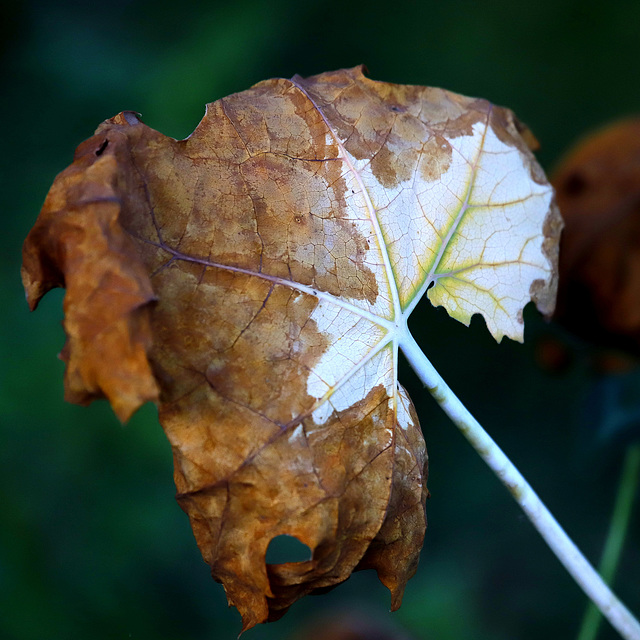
598,186
78,243
287,240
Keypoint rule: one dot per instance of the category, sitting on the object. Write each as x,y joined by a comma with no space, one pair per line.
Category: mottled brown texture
78,243
204,273
598,191
400,124
394,551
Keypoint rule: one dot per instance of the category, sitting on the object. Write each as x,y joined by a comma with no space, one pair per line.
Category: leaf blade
287,240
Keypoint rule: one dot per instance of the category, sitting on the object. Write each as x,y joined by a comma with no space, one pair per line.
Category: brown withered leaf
78,243
598,190
286,242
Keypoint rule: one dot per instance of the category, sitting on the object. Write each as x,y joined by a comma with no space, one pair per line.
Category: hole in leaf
286,548
102,147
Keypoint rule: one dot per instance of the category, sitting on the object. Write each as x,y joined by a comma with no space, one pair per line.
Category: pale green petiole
554,535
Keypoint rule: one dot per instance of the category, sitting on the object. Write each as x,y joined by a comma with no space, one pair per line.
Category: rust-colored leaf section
78,243
255,280
394,551
598,191
241,278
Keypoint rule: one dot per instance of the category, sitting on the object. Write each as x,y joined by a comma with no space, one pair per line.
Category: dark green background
92,543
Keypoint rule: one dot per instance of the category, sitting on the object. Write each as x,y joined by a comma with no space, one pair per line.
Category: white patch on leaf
476,230
351,339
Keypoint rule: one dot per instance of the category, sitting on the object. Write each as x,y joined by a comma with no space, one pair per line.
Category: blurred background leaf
92,543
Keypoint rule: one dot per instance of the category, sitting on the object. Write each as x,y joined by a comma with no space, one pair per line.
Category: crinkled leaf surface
266,267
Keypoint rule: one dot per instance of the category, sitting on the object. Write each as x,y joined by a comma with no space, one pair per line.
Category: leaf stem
559,542
615,538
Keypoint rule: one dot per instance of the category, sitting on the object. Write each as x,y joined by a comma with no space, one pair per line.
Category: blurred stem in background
615,538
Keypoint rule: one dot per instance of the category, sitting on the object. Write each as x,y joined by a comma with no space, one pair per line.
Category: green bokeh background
92,543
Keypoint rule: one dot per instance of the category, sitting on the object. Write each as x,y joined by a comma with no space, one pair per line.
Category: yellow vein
452,229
